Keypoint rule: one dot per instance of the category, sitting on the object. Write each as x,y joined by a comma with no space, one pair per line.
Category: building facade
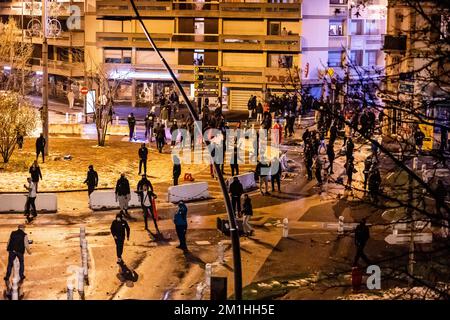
341,37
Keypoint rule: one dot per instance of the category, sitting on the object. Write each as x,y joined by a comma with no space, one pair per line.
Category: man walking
180,221
247,211
143,152
119,227
17,244
71,98
236,191
31,198
91,180
35,172
362,235
40,147
123,195
147,208
160,137
131,124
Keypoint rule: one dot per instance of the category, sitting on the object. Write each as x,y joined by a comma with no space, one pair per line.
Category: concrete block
15,202
188,192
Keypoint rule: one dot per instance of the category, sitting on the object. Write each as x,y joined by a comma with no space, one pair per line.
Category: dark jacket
149,120
180,217
16,241
247,209
176,170
118,229
40,143
143,152
361,235
236,188
131,121
122,187
92,178
35,173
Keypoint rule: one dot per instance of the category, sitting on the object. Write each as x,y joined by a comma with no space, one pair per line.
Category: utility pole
410,216
44,110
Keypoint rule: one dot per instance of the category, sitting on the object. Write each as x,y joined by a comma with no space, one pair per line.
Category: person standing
259,112
366,172
263,171
331,155
17,244
318,170
176,169
419,136
40,147
165,117
350,148
247,212
91,180
180,221
276,174
362,235
143,153
350,168
160,137
119,228
123,195
333,133
140,186
71,98
35,172
19,139
147,208
234,163
374,184
31,198
131,124
149,122
236,190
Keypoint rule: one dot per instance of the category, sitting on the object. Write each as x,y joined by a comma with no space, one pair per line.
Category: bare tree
14,54
17,118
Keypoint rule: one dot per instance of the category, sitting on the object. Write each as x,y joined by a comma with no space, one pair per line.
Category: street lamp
233,225
44,110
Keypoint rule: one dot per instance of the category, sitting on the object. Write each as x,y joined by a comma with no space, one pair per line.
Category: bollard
285,227
81,283
69,289
67,117
117,120
221,252
15,280
199,294
208,273
80,117
341,225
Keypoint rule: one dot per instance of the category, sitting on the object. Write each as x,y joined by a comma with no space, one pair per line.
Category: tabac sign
282,79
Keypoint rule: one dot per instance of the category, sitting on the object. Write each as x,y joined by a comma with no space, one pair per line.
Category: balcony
337,42
62,68
212,9
338,2
31,8
66,39
394,43
367,42
290,43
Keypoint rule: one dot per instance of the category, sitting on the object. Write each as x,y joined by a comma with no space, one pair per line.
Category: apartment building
252,43
337,33
417,60
65,42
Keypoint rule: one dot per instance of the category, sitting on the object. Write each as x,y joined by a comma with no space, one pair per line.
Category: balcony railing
289,43
63,68
394,43
190,8
34,8
65,39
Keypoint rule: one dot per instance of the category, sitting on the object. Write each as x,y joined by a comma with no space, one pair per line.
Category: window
335,58
356,27
278,60
117,56
336,28
275,28
371,57
356,57
372,27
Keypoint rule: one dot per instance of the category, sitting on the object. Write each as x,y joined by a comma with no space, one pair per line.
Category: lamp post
44,110
233,225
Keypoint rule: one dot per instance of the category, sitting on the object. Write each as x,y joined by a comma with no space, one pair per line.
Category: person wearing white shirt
31,198
71,98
